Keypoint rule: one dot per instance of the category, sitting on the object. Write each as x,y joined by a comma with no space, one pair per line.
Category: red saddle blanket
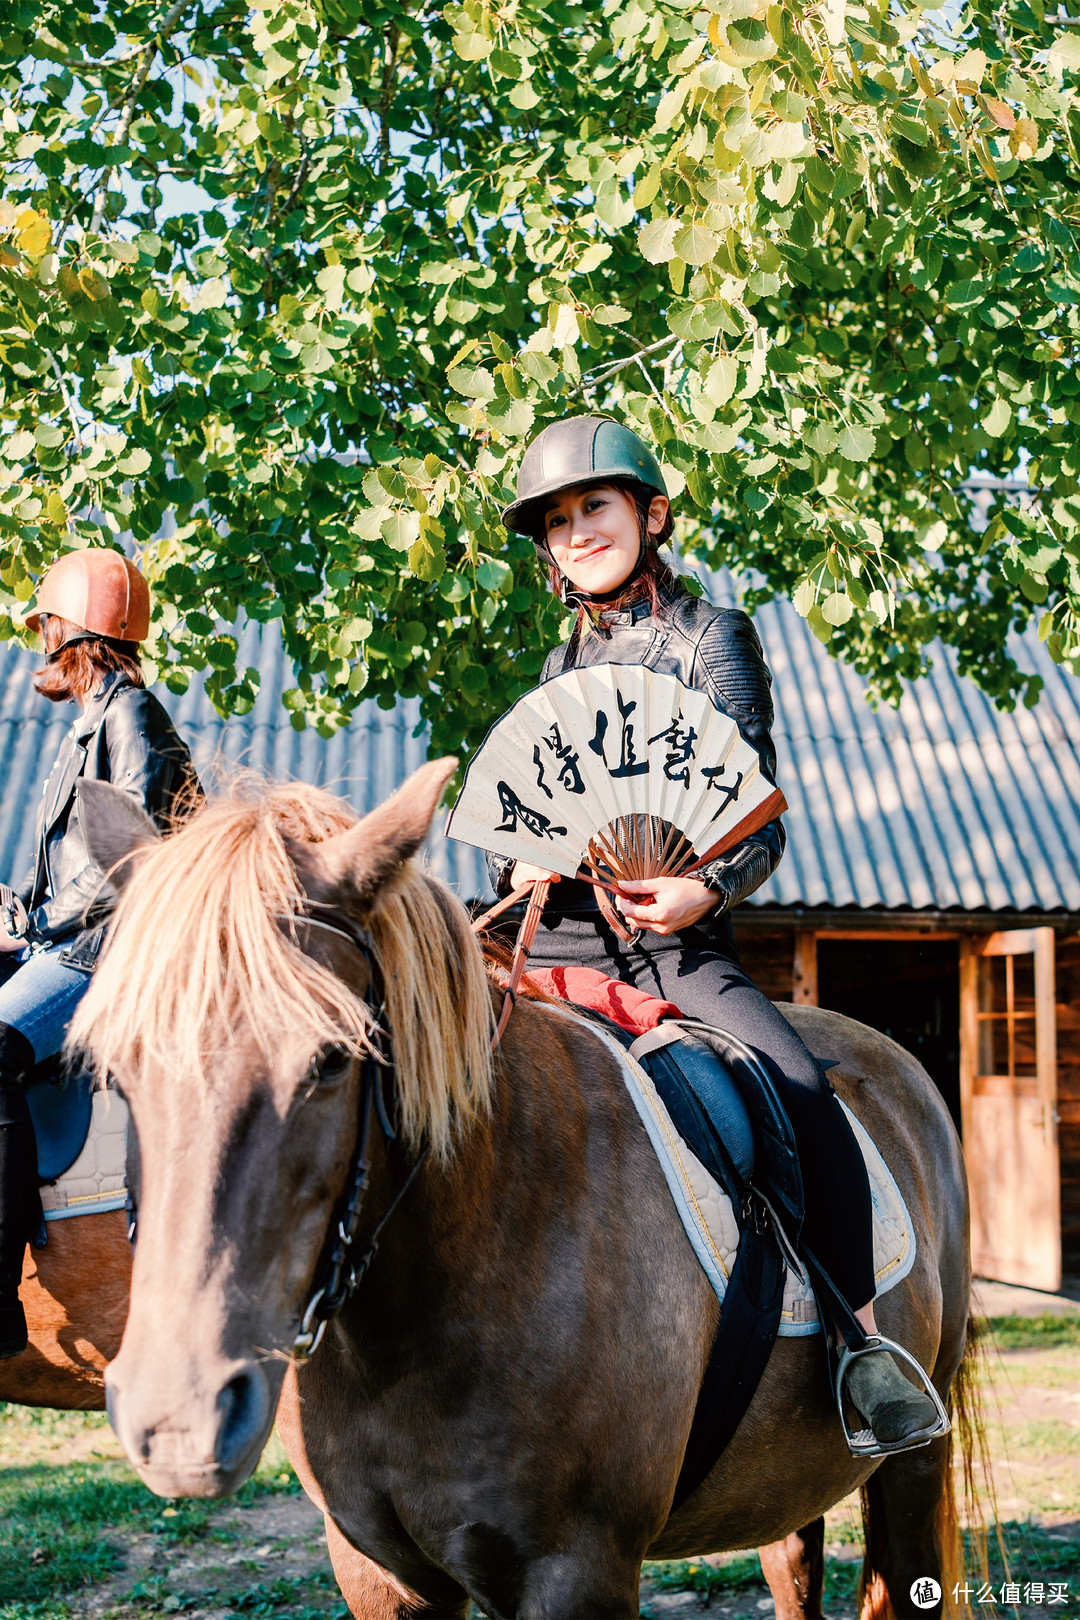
631,1009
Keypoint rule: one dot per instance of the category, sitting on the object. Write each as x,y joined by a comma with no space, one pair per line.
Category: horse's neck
539,1160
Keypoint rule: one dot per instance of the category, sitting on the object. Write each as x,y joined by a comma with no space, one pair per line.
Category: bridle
339,1275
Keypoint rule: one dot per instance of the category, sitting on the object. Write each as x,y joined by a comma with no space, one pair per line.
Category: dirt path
80,1538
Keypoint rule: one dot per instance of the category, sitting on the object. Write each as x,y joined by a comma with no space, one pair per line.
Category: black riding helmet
580,450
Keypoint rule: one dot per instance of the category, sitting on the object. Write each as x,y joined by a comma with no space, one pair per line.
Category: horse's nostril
242,1405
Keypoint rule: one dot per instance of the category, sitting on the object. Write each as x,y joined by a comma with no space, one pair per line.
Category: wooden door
1008,1098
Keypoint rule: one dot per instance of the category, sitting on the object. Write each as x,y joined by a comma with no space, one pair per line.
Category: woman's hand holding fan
665,904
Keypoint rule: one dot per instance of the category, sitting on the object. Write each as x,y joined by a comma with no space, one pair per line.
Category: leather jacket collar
605,618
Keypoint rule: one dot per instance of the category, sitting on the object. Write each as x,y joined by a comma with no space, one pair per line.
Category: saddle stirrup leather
864,1442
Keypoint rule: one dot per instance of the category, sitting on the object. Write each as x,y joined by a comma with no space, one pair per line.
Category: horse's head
238,1032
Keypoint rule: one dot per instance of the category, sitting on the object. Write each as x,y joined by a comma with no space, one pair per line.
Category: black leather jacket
125,737
712,650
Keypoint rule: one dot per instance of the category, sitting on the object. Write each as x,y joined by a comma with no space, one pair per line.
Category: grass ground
81,1539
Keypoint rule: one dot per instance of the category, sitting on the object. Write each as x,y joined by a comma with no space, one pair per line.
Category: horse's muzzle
185,1441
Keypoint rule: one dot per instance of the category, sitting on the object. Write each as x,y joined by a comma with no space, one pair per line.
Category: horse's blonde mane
197,955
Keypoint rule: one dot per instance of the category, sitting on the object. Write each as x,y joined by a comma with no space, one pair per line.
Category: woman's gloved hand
666,904
12,920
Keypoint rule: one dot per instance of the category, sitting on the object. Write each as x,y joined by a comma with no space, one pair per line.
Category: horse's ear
369,853
115,828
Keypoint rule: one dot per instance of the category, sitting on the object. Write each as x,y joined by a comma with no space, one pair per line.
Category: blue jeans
38,997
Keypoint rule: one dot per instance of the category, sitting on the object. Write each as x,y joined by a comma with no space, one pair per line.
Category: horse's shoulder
562,1021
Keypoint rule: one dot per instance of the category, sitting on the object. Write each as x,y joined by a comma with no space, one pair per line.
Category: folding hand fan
616,769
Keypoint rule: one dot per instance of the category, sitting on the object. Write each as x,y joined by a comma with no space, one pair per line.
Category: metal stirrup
864,1442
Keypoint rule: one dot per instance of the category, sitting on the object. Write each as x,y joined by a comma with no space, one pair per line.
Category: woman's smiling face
594,535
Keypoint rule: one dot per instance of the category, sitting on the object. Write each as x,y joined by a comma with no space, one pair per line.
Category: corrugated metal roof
944,803
363,763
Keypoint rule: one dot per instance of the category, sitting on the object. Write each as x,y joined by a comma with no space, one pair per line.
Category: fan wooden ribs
637,846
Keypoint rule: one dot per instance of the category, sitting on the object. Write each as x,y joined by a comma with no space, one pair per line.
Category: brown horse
75,1292
500,1410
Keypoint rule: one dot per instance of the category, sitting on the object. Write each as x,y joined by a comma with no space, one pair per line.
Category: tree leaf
804,597
696,245
855,444
998,417
472,381
512,417
593,257
611,314
965,294
135,462
789,105
33,232
493,575
838,608
401,530
472,47
1065,52
657,240
722,378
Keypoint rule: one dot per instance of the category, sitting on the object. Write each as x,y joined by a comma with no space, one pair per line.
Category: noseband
338,1277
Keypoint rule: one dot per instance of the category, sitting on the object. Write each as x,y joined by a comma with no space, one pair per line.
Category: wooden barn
931,885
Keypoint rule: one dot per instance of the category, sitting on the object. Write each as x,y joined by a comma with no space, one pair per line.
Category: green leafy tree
284,291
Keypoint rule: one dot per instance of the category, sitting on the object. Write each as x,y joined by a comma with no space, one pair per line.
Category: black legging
704,980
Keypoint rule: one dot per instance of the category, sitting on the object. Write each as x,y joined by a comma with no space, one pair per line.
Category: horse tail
965,1491
969,1472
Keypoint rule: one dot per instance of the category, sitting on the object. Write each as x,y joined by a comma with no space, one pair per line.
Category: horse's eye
331,1065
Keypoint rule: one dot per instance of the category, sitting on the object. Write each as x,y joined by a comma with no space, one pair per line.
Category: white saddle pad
97,1181
706,1213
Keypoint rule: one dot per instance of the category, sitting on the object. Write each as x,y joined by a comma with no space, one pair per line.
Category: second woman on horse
93,610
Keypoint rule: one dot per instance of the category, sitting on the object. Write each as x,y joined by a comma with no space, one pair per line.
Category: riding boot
890,1403
18,1184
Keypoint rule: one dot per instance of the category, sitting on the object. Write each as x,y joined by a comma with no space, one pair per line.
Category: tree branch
393,35
142,73
67,400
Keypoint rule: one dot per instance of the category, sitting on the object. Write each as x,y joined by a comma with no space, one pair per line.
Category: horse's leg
906,1508
373,1594
795,1571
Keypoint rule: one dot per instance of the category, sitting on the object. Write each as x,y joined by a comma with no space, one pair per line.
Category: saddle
722,1101
61,1106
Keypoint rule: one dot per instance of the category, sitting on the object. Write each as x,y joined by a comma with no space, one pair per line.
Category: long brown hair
78,667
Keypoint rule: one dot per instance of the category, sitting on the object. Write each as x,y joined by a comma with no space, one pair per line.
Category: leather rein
537,890
339,1275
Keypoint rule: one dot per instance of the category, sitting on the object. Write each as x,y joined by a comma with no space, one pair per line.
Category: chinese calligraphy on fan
557,765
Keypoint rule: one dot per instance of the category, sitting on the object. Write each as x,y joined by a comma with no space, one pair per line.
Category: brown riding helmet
97,589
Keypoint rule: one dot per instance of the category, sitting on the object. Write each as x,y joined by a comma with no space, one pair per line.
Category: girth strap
749,1322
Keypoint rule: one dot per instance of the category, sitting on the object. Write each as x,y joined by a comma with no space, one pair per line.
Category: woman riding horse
93,610
592,498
